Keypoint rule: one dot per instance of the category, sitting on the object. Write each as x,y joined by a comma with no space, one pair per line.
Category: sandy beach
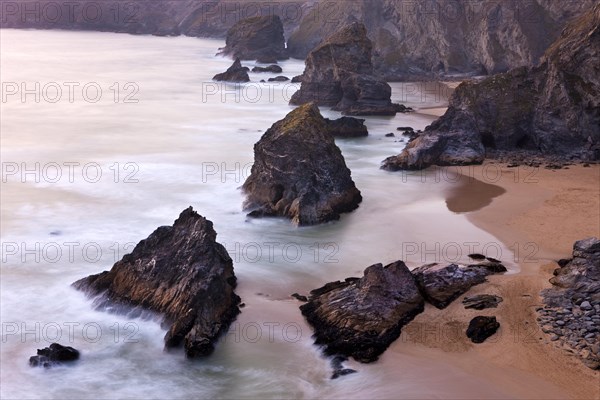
538,214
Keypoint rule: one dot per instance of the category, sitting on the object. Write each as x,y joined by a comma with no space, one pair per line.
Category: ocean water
106,136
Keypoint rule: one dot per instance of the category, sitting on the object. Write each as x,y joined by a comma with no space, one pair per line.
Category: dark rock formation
279,79
347,127
271,68
54,355
481,328
482,301
571,313
179,271
256,38
362,317
235,73
429,39
552,109
339,74
297,79
441,285
299,172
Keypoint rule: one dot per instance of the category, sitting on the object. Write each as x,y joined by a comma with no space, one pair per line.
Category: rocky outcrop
279,79
480,328
56,354
179,271
299,172
347,127
441,285
482,301
339,74
360,318
256,38
552,109
235,73
432,39
571,311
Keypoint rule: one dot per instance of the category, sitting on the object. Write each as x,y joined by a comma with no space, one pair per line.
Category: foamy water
113,170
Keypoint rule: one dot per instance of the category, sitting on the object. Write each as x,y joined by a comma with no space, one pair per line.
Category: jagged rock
582,273
552,109
482,301
347,127
441,285
235,73
431,39
360,318
481,328
53,355
299,172
339,74
279,79
179,271
256,38
271,68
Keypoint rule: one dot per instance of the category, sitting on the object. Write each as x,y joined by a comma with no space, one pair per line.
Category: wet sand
540,215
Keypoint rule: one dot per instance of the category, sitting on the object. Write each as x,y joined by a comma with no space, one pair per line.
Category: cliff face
196,18
552,109
415,39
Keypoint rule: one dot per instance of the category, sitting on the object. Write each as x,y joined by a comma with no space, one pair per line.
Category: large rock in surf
179,271
299,172
441,285
339,74
572,306
235,73
256,38
347,127
362,317
552,109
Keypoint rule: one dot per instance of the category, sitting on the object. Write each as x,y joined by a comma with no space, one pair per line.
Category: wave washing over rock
552,109
179,271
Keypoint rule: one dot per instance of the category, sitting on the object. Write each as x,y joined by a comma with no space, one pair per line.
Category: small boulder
347,127
271,68
53,355
480,328
235,73
482,301
279,79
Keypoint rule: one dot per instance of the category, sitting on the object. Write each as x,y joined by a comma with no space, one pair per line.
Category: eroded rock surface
180,272
256,38
361,317
299,172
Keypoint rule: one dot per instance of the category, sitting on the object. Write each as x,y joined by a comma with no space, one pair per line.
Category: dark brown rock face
441,285
256,38
299,172
179,271
572,306
235,73
362,317
339,74
552,109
